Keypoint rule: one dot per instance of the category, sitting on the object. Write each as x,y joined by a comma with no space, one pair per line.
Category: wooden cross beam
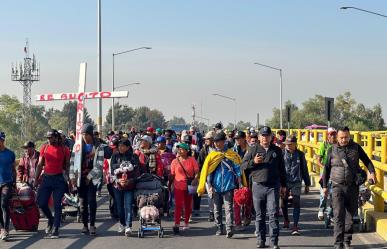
80,97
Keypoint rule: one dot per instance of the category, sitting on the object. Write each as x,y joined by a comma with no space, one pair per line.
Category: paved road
201,235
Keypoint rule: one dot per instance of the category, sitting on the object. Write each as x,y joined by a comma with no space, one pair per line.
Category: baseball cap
28,144
2,135
183,146
291,139
147,138
331,130
161,139
219,136
150,129
218,126
253,135
265,131
240,134
124,142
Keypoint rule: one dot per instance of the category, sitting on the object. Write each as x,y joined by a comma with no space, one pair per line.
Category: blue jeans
266,198
55,185
124,205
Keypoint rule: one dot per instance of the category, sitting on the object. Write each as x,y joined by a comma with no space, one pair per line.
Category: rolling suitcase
24,217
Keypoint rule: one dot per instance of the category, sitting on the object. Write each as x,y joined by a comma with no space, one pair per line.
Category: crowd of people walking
250,174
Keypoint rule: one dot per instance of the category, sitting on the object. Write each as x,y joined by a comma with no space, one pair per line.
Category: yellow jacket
212,161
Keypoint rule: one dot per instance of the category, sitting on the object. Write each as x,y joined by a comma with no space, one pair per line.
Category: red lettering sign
77,147
80,96
80,107
72,96
93,95
63,96
105,94
41,98
50,97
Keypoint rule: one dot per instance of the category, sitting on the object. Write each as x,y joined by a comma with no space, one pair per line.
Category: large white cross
80,97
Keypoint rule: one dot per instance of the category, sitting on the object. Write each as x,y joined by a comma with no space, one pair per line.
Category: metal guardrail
374,144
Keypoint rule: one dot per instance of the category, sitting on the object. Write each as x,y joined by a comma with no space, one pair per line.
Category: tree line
346,112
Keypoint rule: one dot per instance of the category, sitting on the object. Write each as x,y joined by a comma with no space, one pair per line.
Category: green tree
11,120
144,117
123,116
346,112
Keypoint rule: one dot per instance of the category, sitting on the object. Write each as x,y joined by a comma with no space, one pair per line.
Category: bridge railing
374,144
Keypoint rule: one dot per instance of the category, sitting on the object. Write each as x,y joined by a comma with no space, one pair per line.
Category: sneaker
185,227
121,228
85,230
219,231
190,219
50,227
4,235
320,215
176,229
276,247
347,246
55,234
93,230
295,231
261,244
286,224
229,234
128,231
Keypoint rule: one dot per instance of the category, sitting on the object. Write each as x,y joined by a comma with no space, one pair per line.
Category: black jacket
272,171
129,156
296,167
343,164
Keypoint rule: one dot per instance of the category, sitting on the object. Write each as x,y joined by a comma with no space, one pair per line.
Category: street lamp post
114,54
235,105
363,10
280,71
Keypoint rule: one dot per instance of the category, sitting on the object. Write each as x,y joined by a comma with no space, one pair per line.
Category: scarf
213,160
151,155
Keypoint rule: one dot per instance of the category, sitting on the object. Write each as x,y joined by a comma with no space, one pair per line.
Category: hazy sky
199,48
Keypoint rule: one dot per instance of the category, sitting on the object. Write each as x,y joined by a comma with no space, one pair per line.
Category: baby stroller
71,207
149,200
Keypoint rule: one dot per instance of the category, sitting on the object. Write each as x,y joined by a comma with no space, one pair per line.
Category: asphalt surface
201,234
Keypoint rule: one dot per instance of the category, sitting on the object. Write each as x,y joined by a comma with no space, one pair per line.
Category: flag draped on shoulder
213,159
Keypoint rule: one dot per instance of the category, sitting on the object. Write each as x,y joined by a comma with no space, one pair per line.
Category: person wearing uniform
266,164
343,171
